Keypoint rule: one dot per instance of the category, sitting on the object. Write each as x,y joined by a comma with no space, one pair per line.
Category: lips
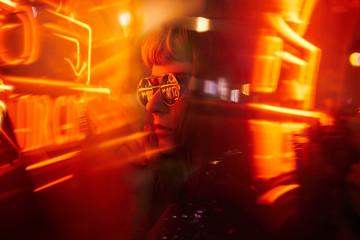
162,130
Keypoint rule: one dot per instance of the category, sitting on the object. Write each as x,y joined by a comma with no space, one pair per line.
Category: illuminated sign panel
19,43
42,121
286,63
39,43
42,43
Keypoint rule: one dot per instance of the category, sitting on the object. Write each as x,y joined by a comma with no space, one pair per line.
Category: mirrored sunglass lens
145,91
170,89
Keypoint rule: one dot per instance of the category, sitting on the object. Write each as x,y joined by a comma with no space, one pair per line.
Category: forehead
174,67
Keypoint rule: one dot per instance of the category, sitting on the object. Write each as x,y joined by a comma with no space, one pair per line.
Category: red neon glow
60,180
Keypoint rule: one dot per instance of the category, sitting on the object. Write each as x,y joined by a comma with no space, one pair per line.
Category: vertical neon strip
313,56
61,130
43,106
306,12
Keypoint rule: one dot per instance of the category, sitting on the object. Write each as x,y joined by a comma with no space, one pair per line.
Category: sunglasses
169,85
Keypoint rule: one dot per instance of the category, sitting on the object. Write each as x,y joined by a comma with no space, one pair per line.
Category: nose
156,104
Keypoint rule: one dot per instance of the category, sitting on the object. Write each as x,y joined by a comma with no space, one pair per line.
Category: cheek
178,113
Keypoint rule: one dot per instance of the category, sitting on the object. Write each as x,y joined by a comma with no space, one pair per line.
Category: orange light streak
273,194
9,3
123,139
52,161
4,87
149,153
90,38
54,183
9,139
104,6
61,29
11,26
288,110
136,156
96,90
42,81
50,82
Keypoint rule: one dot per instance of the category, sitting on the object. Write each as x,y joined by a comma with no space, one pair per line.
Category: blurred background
68,77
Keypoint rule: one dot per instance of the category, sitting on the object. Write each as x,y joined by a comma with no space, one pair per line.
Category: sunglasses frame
159,87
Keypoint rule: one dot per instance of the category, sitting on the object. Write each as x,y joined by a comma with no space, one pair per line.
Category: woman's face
168,119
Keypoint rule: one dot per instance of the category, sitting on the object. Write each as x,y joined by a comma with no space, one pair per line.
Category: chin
166,145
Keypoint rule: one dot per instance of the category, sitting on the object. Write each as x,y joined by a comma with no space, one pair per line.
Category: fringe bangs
164,48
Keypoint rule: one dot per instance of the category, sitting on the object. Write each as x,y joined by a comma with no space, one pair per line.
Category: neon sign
42,121
287,59
78,69
44,40
20,26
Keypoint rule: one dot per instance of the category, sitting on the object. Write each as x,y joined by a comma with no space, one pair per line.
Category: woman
172,57
183,132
